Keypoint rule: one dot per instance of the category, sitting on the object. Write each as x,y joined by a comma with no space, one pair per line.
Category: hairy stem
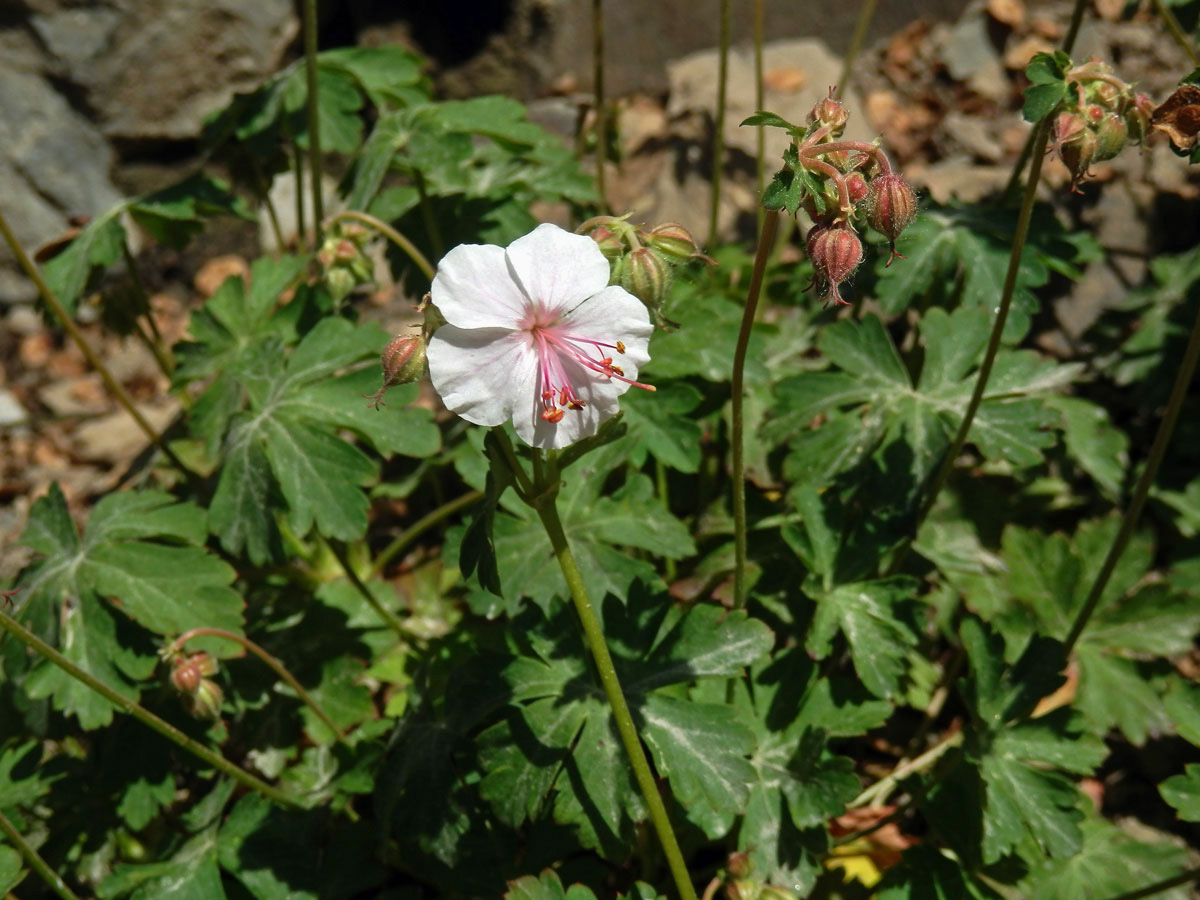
819,165
143,715
599,100
1162,438
313,107
275,665
114,387
989,357
856,42
392,235
810,149
405,539
34,861
737,415
547,510
719,123
392,620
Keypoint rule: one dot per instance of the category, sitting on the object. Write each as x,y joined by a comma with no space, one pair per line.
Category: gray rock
53,164
157,68
11,410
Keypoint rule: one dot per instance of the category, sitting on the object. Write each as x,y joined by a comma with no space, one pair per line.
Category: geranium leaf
191,874
1183,792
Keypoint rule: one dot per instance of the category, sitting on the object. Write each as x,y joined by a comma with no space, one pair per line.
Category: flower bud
1111,134
772,892
205,702
608,242
647,277
891,207
674,242
831,114
835,252
1078,153
740,865
856,187
742,890
403,362
188,671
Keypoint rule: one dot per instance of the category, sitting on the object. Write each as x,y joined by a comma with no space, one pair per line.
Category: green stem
548,511
264,195
275,665
856,42
737,437
1183,378
34,861
719,124
887,784
114,387
1159,886
418,528
427,216
298,169
143,715
386,614
313,107
599,99
989,357
392,235
1177,31
760,153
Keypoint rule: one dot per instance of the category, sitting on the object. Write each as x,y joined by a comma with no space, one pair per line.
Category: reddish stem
885,167
843,193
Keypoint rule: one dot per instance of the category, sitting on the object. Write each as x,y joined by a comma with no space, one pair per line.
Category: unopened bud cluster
192,676
344,260
1098,119
855,186
641,258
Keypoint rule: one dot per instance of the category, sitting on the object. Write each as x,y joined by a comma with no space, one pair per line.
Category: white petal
614,315
558,269
474,289
482,373
600,396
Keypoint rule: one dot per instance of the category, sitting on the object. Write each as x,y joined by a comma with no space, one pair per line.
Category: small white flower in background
535,333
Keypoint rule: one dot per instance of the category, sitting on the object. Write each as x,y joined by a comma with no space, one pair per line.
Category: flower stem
418,528
114,387
1177,31
989,357
548,512
392,235
276,666
599,100
1166,428
884,786
264,194
313,107
143,715
719,123
392,620
34,861
856,42
737,415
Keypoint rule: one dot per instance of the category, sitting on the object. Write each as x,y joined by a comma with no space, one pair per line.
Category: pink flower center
554,348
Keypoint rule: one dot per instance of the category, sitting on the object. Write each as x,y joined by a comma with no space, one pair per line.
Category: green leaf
1097,446
1183,792
284,452
878,619
1183,705
11,873
704,342
662,421
94,249
1108,864
143,798
389,76
546,886
924,873
191,874
890,412
1048,86
768,119
143,553
597,526
23,777
559,748
176,214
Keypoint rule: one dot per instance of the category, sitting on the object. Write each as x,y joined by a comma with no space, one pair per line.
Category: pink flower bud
674,242
856,187
1111,135
205,702
403,361
1137,118
831,114
608,242
835,252
891,207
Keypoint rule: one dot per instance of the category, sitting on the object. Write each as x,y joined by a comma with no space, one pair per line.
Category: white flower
534,333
